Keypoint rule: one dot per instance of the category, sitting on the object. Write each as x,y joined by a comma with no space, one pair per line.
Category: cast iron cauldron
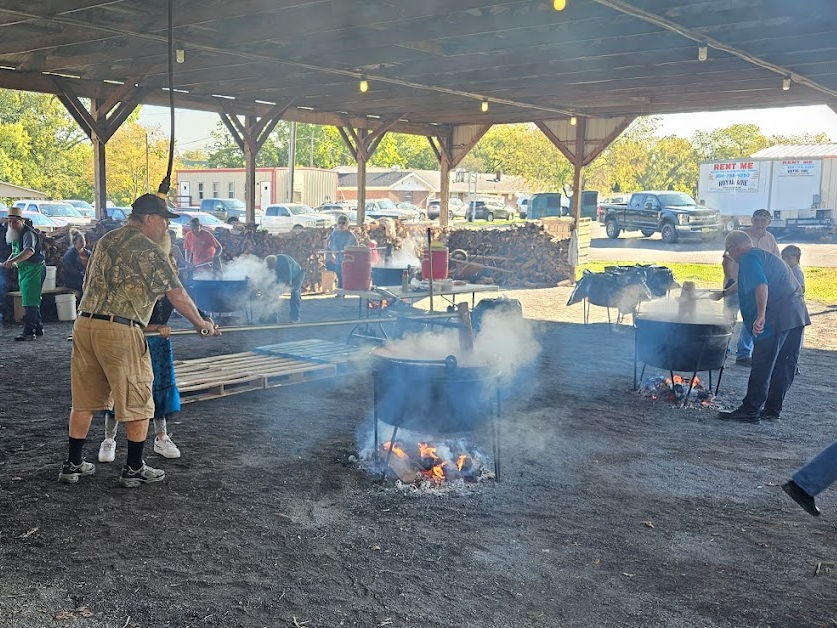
221,295
673,345
432,396
387,275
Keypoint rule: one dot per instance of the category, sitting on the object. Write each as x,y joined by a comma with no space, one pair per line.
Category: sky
193,128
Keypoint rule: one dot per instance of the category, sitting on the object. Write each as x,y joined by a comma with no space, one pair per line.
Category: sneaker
146,474
166,448
39,331
745,361
70,473
740,415
24,337
107,450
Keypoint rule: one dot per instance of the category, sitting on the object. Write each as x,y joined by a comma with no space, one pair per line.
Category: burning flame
426,451
460,462
396,449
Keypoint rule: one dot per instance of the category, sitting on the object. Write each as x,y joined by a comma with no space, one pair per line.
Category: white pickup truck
287,217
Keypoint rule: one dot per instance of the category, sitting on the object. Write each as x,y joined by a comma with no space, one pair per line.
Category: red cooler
357,268
440,263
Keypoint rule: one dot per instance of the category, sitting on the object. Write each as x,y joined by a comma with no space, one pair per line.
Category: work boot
39,331
740,415
25,337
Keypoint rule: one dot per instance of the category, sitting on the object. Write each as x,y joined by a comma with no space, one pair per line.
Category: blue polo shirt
785,304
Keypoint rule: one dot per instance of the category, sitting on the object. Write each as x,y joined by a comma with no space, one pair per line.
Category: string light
364,85
559,5
484,106
786,84
703,53
573,121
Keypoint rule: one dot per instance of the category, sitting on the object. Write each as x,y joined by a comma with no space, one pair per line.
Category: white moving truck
799,191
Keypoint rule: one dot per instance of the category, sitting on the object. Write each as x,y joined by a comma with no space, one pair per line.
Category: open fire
425,463
674,390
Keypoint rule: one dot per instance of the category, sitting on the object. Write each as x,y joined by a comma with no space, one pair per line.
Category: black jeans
31,320
774,367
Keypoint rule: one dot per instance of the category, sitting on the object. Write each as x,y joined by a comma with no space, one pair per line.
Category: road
632,247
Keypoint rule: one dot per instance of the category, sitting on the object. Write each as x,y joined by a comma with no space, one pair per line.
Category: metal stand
495,433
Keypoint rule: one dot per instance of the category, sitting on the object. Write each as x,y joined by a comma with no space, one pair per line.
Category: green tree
732,142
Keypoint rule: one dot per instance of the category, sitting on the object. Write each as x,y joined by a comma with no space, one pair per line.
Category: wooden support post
250,153
578,165
99,124
250,136
444,190
361,184
362,144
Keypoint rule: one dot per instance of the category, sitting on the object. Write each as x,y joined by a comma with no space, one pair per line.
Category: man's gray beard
165,242
12,234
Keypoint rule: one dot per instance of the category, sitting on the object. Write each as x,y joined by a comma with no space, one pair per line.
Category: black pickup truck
671,214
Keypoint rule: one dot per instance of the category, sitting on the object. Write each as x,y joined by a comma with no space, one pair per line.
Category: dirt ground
612,510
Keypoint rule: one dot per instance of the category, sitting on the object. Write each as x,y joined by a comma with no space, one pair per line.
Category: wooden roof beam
629,9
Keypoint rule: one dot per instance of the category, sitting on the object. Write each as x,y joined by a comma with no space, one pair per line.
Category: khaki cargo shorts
111,368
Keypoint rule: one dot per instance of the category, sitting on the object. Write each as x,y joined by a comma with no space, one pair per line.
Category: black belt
113,319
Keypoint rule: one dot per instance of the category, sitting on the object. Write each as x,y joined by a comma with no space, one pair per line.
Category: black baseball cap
148,204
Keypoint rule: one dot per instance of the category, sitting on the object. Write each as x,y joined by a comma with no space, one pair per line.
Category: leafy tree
801,138
732,142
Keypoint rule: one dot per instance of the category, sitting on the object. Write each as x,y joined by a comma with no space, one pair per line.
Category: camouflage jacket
126,275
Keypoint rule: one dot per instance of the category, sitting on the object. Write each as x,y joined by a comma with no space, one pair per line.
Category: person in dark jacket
75,262
290,274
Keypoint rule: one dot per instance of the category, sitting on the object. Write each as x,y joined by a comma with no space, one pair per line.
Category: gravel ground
613,510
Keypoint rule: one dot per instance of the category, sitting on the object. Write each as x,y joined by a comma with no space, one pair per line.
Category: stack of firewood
524,255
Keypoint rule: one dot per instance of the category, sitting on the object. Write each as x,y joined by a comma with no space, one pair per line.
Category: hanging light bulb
559,5
786,84
364,85
573,120
703,53
484,106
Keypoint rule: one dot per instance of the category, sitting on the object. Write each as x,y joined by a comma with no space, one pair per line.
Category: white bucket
49,280
66,306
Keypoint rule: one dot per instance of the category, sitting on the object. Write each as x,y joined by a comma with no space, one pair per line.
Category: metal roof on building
796,151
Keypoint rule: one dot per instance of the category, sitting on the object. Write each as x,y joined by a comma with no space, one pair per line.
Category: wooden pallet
344,357
224,375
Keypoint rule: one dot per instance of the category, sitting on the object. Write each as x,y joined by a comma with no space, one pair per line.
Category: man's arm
183,303
761,309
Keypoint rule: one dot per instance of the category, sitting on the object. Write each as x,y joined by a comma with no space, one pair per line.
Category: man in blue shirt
339,239
774,311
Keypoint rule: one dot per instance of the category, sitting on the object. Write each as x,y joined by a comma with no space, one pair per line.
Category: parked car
486,210
328,207
456,208
385,208
351,214
120,214
40,221
207,220
58,209
671,214
409,206
83,207
227,209
287,217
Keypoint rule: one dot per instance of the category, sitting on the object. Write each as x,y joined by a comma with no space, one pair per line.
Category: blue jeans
337,268
820,473
744,349
774,367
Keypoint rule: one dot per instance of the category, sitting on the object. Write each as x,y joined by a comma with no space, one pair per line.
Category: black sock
135,454
76,445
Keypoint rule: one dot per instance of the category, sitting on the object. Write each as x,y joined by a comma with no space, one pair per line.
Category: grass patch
820,282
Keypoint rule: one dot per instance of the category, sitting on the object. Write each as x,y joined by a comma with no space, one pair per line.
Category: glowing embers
678,390
425,464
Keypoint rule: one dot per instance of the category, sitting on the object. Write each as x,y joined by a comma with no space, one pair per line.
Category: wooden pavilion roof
431,62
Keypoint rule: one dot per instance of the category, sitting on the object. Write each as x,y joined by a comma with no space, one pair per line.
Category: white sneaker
166,448
107,450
